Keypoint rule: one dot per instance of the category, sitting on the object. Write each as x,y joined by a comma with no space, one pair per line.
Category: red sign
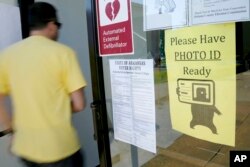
114,27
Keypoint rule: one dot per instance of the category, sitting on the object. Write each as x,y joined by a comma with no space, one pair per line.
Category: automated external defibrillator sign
202,81
115,31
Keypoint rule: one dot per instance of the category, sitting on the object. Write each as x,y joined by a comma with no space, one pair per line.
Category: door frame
23,6
98,105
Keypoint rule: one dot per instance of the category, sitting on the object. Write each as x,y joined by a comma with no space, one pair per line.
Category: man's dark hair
40,13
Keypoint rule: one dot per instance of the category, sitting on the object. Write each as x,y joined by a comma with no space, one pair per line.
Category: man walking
45,83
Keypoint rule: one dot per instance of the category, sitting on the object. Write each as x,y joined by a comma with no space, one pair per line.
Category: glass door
147,45
174,149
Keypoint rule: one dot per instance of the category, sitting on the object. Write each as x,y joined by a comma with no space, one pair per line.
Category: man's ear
51,30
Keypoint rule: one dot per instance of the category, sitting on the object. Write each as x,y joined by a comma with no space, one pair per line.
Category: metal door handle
96,117
5,132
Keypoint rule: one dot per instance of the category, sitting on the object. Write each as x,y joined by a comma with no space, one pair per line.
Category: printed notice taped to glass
218,11
133,102
165,14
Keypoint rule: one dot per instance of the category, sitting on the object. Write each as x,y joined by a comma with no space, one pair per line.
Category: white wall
10,2
6,158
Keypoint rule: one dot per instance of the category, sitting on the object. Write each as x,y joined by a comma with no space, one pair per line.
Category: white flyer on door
218,11
165,14
133,101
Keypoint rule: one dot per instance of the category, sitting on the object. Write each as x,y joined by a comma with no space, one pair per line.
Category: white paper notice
133,101
164,14
218,11
10,29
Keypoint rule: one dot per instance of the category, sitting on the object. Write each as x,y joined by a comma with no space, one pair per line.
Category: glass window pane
174,148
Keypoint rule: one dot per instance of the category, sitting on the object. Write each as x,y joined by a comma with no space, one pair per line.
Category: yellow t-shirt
39,74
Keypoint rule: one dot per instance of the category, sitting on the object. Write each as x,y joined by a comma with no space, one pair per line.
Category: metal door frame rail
5,132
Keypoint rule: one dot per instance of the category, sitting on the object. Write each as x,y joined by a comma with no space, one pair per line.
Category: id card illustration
201,95
196,91
112,11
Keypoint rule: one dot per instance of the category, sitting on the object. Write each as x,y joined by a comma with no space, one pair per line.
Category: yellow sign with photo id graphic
201,70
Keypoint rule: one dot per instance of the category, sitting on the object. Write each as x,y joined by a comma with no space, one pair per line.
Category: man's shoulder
64,46
9,49
61,47
34,44
44,43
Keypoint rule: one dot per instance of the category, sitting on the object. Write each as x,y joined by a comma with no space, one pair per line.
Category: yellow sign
202,81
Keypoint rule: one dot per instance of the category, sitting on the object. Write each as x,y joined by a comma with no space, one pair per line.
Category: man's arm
5,120
77,100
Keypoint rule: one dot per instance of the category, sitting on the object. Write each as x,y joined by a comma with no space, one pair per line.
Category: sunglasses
58,24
